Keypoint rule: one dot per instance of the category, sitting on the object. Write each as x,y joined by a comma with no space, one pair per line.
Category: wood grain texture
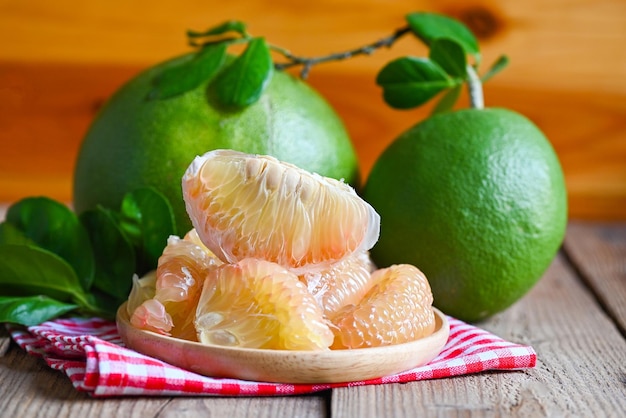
313,406
580,369
29,388
5,341
599,255
59,61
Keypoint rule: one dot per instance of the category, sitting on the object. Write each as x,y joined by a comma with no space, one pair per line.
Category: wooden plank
314,406
543,47
29,388
579,372
5,341
45,111
598,251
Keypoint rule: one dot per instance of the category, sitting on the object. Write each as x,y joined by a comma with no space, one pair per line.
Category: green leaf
448,100
409,82
228,26
54,227
450,56
30,271
114,254
242,82
147,219
497,66
10,234
189,74
431,26
32,310
103,305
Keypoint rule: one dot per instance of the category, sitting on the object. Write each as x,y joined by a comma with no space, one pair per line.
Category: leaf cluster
235,82
53,261
453,60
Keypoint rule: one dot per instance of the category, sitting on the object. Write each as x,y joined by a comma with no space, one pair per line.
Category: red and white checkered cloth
92,354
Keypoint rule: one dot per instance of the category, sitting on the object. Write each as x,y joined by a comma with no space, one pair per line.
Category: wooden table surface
575,318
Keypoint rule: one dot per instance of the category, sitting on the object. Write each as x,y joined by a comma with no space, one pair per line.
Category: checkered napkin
92,354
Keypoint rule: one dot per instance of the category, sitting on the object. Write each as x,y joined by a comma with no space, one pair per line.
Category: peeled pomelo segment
252,206
259,304
180,273
181,269
151,315
192,236
142,289
165,300
397,309
345,282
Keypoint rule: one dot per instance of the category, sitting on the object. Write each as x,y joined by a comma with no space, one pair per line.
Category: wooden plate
285,366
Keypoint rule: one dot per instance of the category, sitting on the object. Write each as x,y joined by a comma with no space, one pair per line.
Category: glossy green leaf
450,56
497,66
409,82
114,254
431,26
54,227
103,305
228,26
32,310
189,74
27,270
242,82
147,219
448,100
10,234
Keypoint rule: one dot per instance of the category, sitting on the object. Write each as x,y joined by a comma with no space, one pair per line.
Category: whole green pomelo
135,141
474,198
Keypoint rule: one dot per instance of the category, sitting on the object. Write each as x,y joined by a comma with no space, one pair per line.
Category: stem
475,88
308,62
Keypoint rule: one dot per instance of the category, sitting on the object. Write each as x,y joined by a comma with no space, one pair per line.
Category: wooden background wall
61,59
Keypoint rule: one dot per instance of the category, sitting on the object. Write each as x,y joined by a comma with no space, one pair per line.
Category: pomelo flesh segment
165,301
151,315
397,309
344,283
258,304
253,206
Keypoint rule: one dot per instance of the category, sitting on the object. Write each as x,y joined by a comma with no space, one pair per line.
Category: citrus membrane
170,294
245,205
343,283
397,309
259,304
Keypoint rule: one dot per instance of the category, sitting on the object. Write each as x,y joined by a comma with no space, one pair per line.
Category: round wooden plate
283,366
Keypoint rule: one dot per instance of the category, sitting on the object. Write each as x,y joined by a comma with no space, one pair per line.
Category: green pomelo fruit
136,142
474,198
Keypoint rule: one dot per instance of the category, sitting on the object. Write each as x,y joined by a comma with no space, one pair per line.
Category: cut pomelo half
254,206
259,304
398,309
